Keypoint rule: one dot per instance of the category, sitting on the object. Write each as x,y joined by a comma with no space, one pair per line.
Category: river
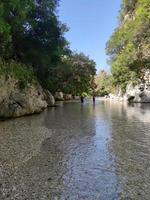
77,152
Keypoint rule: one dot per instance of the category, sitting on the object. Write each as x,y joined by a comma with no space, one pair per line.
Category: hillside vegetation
33,46
129,45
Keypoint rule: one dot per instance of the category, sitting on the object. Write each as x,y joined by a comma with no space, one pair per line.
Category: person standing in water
93,98
82,99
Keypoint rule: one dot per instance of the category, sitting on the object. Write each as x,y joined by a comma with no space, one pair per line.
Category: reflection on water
77,152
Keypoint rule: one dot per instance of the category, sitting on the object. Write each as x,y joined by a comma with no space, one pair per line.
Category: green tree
83,74
104,83
129,46
31,33
75,75
12,19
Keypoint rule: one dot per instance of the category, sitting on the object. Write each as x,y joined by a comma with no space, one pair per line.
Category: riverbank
17,101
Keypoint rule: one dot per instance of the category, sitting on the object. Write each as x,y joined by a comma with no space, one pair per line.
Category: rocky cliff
139,93
15,102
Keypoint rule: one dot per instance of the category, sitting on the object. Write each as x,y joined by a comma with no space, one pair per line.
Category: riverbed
92,151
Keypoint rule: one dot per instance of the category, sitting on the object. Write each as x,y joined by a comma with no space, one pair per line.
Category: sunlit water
77,152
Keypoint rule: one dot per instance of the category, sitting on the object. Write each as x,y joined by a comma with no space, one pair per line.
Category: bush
22,73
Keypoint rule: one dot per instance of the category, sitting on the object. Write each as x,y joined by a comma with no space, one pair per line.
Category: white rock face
140,93
119,96
137,94
15,102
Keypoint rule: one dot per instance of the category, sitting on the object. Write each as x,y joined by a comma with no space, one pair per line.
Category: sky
91,24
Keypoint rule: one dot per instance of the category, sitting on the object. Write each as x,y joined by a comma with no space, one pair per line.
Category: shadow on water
76,152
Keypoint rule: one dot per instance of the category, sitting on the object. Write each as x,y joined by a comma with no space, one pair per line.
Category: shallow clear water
77,152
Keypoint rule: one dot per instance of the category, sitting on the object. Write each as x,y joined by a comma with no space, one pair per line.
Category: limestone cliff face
15,102
139,93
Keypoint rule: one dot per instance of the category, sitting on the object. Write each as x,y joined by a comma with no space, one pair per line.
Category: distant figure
93,98
82,99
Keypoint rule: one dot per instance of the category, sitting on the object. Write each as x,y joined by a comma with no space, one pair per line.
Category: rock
76,98
68,97
139,93
139,96
59,96
48,97
7,85
15,102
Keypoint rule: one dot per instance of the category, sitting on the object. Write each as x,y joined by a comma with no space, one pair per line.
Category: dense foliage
75,75
18,71
129,46
104,83
31,34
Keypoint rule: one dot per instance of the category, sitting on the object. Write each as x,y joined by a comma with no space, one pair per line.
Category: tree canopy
75,74
129,46
32,34
104,83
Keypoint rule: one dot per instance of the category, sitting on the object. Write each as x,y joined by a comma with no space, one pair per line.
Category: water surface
77,152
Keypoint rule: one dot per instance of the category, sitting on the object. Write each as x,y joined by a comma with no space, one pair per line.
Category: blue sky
91,24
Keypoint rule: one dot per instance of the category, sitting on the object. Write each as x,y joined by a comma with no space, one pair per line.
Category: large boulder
138,94
49,98
59,96
15,102
68,97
